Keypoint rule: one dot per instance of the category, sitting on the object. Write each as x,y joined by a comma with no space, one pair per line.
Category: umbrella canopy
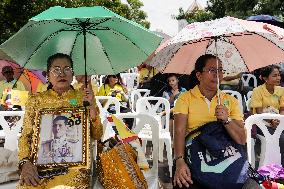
30,78
106,42
267,19
241,46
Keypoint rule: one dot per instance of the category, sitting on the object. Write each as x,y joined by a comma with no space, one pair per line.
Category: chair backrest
272,154
102,79
133,70
248,99
142,120
103,103
137,94
247,77
130,80
237,95
153,106
12,122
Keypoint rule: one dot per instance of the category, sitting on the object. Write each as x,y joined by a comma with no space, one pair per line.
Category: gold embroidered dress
75,178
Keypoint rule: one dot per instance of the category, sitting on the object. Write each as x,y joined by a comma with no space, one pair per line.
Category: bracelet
22,162
179,157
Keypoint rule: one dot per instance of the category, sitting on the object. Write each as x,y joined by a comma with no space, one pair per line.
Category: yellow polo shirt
261,98
200,112
105,90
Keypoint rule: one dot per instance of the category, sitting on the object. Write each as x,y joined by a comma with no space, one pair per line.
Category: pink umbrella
240,45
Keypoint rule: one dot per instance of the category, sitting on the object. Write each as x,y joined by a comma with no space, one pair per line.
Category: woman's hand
89,95
182,175
221,113
29,175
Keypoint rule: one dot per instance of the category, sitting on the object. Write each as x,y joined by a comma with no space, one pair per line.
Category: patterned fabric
50,99
240,45
119,169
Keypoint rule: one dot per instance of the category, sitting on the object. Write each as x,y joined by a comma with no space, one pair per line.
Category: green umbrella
98,40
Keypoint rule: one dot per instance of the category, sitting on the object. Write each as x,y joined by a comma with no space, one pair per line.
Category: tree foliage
15,13
237,8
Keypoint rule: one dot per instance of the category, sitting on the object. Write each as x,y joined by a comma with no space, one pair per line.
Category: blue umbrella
267,19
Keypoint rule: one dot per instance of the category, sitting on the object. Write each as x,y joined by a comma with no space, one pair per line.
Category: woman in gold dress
60,94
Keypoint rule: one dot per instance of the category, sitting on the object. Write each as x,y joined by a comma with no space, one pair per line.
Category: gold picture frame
62,139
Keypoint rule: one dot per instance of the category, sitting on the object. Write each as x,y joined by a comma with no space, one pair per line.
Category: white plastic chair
247,77
11,133
270,150
9,185
129,80
151,175
248,99
144,105
142,120
133,70
137,94
103,103
102,77
237,95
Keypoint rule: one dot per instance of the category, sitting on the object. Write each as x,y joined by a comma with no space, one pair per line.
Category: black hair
199,66
266,71
65,119
120,82
54,57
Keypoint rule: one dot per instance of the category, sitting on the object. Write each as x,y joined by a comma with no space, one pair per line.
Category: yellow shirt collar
196,92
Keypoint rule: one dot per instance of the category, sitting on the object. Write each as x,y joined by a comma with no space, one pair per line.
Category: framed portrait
62,139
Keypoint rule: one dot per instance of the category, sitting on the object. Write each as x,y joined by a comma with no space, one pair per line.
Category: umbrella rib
46,39
231,42
117,32
74,42
268,40
95,24
104,50
68,24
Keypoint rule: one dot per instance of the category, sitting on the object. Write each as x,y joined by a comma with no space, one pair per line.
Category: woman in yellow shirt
199,106
268,95
269,98
113,86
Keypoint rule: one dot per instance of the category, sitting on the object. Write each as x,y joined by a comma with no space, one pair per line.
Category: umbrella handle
218,79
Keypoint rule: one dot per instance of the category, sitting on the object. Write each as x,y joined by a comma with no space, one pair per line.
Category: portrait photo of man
60,148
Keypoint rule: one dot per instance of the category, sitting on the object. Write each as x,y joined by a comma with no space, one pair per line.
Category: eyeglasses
57,71
214,71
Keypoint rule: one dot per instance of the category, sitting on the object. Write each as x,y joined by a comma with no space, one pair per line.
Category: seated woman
60,94
113,86
199,106
269,98
171,94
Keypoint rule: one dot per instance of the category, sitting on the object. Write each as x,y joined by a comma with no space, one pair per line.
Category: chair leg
161,150
144,144
169,155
